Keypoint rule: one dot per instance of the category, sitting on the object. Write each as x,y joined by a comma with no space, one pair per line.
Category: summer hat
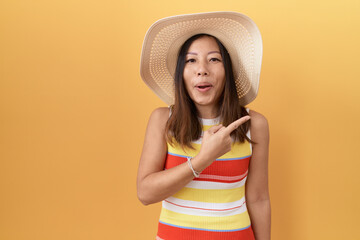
237,32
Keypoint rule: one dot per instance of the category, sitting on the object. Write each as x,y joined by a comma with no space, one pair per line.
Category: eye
190,60
214,59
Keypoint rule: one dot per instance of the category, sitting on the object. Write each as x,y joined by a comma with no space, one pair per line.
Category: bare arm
155,184
257,192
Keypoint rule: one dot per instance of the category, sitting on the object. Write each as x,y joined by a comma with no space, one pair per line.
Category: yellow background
73,113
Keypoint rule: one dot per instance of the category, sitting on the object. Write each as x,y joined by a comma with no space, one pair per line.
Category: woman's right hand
153,183
217,141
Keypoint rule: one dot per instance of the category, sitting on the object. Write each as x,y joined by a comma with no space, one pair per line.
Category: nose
202,69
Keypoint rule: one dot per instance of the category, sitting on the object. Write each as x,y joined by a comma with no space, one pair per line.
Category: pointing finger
214,129
234,125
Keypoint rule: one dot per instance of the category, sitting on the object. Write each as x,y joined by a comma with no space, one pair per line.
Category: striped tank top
212,206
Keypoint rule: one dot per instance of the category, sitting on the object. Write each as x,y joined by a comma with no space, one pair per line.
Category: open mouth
203,87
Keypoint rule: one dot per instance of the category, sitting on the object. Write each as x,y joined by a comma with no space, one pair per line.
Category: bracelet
196,174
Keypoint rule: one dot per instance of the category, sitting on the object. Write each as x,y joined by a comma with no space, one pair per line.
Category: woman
203,153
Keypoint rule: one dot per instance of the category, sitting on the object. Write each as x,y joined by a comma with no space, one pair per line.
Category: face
204,73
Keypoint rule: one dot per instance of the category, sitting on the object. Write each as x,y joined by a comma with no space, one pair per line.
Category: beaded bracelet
196,174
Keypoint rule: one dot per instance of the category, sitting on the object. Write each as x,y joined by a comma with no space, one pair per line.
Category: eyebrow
194,53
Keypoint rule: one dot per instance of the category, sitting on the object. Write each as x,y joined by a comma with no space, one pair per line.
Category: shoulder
159,116
161,113
258,120
259,126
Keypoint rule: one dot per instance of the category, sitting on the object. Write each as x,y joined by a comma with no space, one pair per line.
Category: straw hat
237,32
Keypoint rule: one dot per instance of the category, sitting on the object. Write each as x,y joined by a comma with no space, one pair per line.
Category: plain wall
73,114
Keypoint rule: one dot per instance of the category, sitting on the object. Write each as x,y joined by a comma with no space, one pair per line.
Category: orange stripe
168,232
220,168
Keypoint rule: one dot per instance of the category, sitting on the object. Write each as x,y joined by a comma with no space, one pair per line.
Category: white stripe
215,185
199,140
248,132
226,210
205,205
209,122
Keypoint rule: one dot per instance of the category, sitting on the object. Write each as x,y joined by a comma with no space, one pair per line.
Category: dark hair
183,124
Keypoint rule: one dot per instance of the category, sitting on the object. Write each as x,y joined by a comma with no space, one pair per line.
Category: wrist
195,173
200,162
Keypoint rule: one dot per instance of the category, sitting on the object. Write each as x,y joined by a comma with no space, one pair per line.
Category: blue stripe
178,155
219,159
203,229
228,159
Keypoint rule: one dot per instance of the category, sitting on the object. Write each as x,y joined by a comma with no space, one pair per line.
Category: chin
204,102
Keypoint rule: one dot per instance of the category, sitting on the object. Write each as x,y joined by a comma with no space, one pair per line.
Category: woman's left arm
257,190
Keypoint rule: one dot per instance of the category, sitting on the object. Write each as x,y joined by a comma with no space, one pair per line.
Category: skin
204,67
154,184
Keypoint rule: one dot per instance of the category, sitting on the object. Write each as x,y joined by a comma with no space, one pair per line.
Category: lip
203,87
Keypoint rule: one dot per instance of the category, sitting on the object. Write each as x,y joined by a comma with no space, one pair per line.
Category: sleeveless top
212,206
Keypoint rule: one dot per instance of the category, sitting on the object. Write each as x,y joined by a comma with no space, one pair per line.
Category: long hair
183,126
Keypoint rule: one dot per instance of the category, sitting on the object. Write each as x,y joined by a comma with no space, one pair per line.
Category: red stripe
220,168
167,232
215,180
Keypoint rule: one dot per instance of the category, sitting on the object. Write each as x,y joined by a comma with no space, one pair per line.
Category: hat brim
237,32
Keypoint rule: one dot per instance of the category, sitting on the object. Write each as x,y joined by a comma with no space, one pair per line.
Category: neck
208,112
